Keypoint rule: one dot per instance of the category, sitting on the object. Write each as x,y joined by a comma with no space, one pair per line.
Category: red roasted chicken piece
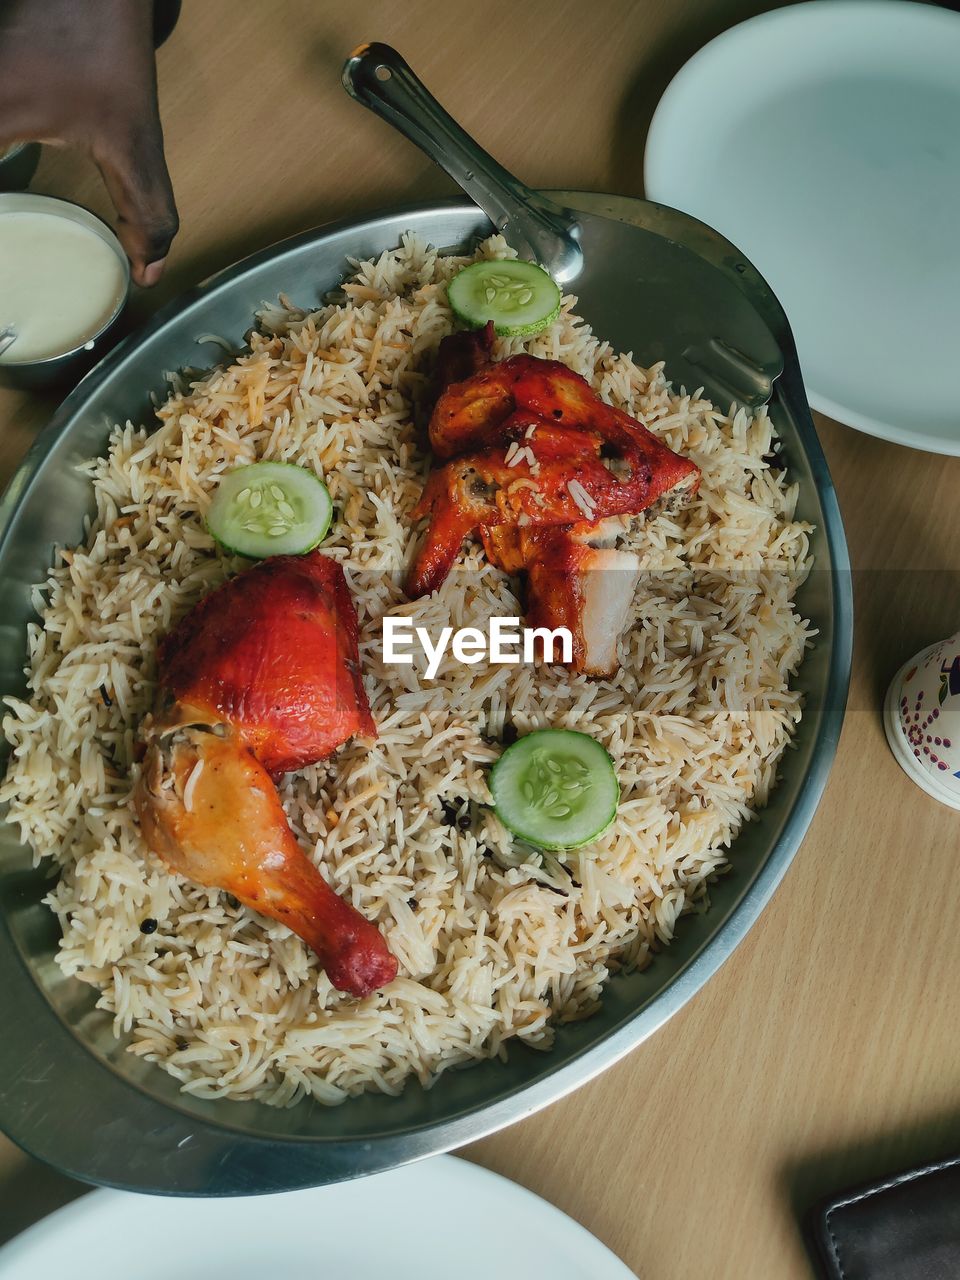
273,653
547,475
541,473
467,412
261,677
227,829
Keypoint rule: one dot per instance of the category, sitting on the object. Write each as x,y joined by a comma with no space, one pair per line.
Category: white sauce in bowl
59,284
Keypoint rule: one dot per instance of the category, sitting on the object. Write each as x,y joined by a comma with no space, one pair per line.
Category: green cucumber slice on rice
519,297
270,509
555,789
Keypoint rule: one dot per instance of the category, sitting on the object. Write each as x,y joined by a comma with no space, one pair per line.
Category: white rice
696,717
580,496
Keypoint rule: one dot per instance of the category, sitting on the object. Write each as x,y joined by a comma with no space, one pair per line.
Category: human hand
83,75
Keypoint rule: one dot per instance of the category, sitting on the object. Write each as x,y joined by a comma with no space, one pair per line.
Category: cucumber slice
270,509
555,788
519,297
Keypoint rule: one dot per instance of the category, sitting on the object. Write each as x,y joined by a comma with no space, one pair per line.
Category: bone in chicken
260,678
575,578
546,474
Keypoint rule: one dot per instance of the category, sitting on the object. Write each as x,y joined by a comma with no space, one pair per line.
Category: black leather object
905,1228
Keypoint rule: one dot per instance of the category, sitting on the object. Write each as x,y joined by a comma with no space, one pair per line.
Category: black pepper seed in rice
182,1044
465,822
149,925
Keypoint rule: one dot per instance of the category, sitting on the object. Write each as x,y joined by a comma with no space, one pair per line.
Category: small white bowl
65,366
921,718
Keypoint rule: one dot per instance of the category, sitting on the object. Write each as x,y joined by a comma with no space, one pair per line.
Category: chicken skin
261,677
468,412
273,653
546,474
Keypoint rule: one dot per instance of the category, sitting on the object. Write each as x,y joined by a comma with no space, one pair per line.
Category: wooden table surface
826,1050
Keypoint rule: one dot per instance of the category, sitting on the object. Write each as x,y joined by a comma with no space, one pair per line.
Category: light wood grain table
827,1049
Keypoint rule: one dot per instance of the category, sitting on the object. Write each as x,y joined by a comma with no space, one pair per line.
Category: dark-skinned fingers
135,172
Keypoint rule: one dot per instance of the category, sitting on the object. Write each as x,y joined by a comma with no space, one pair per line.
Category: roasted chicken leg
260,678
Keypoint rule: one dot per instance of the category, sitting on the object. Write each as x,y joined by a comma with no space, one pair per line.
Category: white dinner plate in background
823,139
435,1220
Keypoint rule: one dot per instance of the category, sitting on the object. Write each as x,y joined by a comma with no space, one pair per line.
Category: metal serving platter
69,1093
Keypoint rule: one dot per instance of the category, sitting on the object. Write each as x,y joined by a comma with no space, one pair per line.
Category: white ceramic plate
824,141
435,1220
